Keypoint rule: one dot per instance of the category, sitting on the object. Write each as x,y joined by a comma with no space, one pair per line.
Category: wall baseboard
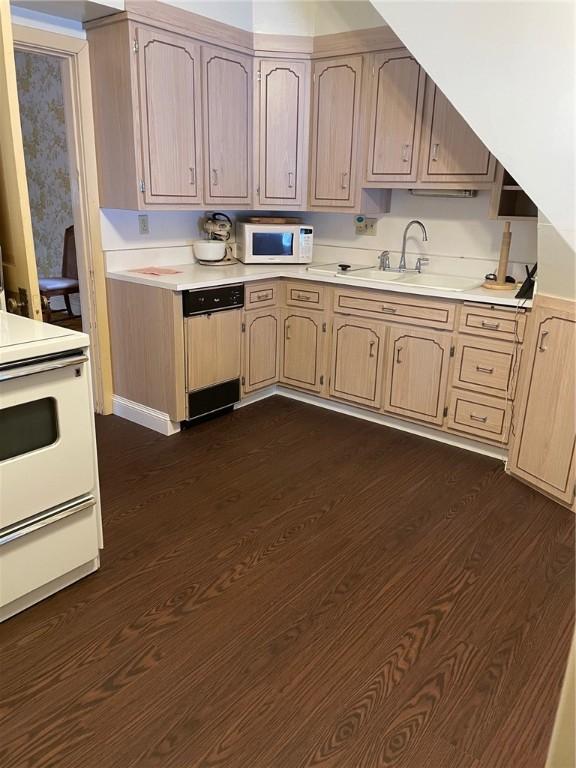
160,422
146,417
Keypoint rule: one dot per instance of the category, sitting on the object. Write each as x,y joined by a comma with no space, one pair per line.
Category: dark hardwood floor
286,587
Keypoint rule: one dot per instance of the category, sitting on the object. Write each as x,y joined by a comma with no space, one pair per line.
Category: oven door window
273,243
28,427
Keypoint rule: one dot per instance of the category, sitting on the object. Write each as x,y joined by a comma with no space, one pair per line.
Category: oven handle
33,370
15,531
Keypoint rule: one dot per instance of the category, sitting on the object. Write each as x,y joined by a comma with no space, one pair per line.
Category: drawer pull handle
371,352
435,148
302,297
215,177
192,175
481,369
262,296
389,310
482,419
398,355
405,152
290,180
491,325
287,332
541,346
343,177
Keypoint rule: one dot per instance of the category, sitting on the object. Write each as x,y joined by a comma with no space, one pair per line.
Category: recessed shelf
509,201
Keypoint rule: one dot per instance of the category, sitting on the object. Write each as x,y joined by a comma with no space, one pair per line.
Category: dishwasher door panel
213,344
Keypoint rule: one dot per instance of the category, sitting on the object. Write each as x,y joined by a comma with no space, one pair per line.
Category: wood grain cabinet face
260,295
213,348
544,442
283,132
261,349
169,79
302,349
417,371
396,98
335,131
451,150
478,416
357,360
227,110
486,366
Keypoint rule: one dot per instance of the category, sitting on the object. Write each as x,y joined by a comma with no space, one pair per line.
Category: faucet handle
420,261
384,259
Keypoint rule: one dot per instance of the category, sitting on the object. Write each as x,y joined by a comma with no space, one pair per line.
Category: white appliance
274,243
50,532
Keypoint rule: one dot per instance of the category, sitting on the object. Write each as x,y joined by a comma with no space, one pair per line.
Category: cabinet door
302,358
451,150
227,111
416,374
283,132
357,358
544,435
169,77
212,348
335,131
261,346
396,98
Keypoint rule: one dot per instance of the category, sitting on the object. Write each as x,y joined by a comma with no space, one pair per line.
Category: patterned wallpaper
44,133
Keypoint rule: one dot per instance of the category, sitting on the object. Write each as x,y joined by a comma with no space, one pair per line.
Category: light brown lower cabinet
212,349
261,337
477,415
302,349
544,436
417,373
357,358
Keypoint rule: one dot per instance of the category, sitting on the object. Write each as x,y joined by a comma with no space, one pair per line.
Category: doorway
45,134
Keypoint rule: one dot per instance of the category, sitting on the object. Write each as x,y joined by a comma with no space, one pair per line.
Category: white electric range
50,529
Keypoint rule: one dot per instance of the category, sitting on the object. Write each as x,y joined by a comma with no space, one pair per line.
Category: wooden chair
68,282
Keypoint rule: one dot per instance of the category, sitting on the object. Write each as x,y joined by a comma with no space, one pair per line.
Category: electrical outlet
143,224
371,226
360,225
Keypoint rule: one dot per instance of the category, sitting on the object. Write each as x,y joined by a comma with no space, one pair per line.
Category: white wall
286,17
237,13
333,16
508,67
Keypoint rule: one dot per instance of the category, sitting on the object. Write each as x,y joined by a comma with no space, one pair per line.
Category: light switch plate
143,224
371,226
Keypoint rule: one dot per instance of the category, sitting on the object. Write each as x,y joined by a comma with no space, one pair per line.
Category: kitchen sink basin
442,282
373,274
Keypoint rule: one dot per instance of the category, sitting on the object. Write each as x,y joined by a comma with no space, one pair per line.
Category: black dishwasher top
203,300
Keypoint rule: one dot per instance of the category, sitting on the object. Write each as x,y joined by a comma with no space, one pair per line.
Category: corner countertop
194,276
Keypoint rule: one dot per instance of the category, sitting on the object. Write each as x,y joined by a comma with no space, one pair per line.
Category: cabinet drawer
305,295
259,295
485,320
478,415
486,366
45,554
408,311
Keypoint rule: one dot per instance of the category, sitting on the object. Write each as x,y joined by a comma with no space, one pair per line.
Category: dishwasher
212,339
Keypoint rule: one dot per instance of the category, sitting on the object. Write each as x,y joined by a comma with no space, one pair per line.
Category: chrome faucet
402,265
384,260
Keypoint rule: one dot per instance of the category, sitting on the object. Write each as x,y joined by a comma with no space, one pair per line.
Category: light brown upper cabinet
169,80
227,111
261,346
335,131
396,99
357,359
451,151
417,371
303,334
543,441
282,132
146,98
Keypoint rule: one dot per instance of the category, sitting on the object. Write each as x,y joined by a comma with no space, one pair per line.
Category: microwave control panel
306,237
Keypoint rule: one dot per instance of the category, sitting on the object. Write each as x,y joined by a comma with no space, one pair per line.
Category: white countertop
192,276
22,338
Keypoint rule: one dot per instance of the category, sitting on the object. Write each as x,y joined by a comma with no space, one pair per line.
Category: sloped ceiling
509,68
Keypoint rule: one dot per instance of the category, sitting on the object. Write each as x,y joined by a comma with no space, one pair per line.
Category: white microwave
274,243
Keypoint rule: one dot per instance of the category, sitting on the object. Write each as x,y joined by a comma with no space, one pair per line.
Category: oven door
46,435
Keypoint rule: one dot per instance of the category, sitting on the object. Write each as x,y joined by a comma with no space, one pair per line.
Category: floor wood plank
286,587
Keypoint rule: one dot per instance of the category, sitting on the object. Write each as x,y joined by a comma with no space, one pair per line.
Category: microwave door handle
33,370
